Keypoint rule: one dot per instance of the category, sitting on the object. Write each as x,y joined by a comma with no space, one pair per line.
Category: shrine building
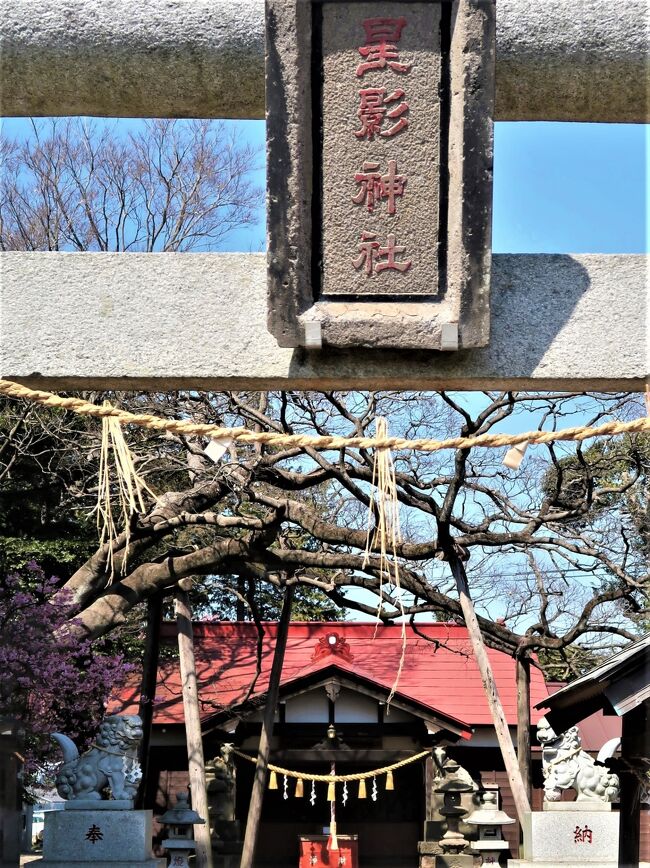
339,702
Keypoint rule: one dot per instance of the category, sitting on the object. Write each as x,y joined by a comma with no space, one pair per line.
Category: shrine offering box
314,852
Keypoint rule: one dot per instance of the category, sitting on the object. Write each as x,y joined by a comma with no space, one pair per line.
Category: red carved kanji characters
381,113
582,836
379,51
375,107
375,258
374,186
383,29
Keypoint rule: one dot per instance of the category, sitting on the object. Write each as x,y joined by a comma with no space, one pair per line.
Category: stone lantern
454,782
180,819
489,820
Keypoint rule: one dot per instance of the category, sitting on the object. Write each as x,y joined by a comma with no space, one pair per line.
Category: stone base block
431,857
99,805
571,837
75,838
149,863
579,807
523,863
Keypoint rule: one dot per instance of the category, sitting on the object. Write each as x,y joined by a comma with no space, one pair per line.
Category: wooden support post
633,747
259,781
196,763
148,689
523,723
522,804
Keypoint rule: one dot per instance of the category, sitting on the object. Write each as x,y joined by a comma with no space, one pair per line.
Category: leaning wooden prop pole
522,804
261,769
148,688
523,723
195,760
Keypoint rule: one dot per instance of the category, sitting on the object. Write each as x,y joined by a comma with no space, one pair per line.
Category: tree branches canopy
75,184
556,553
551,550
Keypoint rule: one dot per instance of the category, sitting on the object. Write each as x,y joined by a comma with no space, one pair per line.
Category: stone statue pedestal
565,837
431,857
102,838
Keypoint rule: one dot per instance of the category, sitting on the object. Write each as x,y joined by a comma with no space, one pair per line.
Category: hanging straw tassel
130,488
362,789
383,510
273,781
333,843
389,781
300,789
331,791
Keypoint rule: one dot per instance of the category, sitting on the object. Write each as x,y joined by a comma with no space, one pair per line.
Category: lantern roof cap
489,814
181,813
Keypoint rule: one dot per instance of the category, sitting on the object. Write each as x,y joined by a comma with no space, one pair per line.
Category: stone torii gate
178,320
199,320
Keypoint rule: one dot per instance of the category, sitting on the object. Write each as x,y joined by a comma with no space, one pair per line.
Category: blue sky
558,187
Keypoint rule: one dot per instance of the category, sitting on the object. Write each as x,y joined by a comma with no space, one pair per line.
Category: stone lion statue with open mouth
565,765
111,762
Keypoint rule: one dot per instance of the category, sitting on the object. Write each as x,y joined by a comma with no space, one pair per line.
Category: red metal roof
442,676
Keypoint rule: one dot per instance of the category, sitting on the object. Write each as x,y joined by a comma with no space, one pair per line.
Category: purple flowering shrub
49,681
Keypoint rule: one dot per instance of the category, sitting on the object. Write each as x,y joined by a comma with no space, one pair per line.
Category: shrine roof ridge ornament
332,643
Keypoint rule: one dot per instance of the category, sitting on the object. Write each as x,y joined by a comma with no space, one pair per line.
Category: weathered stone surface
432,138
566,766
557,60
577,806
560,837
350,147
611,41
431,858
117,837
110,763
166,321
101,863
524,863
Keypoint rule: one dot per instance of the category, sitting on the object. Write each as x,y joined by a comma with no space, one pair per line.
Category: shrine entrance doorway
388,828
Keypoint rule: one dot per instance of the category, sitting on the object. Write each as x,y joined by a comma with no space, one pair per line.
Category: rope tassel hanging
333,778
273,781
331,791
389,781
130,489
387,535
300,789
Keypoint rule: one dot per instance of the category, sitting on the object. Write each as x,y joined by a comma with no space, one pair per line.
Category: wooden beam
522,803
353,757
148,689
633,747
195,760
259,781
523,723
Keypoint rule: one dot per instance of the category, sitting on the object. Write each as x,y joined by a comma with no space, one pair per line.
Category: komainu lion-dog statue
109,765
565,765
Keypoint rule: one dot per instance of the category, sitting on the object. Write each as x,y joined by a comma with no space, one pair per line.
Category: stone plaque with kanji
379,130
380,148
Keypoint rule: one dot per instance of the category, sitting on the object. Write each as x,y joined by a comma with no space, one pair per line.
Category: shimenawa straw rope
270,438
337,779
